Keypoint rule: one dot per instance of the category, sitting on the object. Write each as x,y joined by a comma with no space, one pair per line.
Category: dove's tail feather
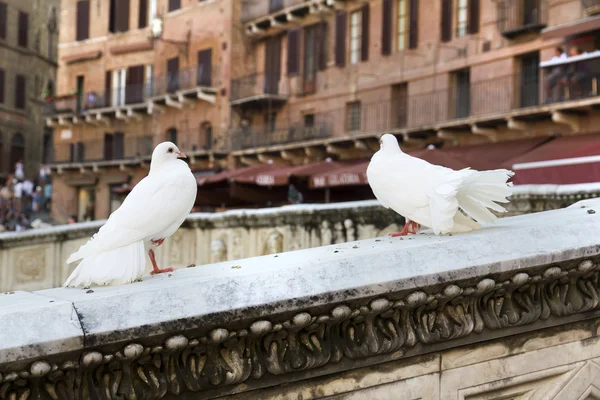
482,191
114,267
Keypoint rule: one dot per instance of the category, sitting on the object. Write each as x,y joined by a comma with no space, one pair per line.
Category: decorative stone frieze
269,320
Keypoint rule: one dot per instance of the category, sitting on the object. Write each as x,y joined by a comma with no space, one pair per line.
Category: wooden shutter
119,147
122,16
134,89
107,88
20,92
340,38
446,35
174,5
143,14
473,17
1,86
80,151
173,74
323,44
272,65
386,27
83,20
23,28
108,146
413,33
293,45
204,73
364,37
3,20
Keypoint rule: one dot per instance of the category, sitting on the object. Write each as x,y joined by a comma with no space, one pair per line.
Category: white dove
152,212
440,198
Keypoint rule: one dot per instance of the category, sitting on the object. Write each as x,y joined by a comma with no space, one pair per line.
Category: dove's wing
154,204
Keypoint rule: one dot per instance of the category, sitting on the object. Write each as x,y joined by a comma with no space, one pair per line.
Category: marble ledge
225,299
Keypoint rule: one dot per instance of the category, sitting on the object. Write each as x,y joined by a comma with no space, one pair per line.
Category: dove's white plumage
440,198
154,210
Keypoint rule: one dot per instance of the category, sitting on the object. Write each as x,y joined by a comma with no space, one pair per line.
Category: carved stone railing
253,324
36,259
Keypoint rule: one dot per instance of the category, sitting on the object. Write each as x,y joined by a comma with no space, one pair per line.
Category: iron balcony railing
126,147
520,16
182,79
255,86
252,9
428,110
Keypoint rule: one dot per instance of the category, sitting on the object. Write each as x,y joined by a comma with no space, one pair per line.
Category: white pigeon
152,212
436,197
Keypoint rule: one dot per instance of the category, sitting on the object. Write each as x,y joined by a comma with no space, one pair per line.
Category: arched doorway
172,135
17,150
206,135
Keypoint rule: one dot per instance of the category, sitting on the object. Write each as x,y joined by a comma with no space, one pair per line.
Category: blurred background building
275,98
28,54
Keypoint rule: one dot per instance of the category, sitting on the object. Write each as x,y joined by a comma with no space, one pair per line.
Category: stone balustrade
36,259
509,311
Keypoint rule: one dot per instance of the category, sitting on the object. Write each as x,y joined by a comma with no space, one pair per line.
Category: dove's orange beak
180,155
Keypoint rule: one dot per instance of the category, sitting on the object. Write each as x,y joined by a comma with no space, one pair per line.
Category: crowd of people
22,198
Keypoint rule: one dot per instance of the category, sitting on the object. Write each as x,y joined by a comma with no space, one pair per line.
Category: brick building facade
28,51
295,82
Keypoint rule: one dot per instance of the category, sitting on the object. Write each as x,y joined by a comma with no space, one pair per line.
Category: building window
403,24
174,5
270,122
1,86
2,20
86,199
462,19
20,92
119,79
355,36
172,135
118,16
23,28
462,93
353,116
83,20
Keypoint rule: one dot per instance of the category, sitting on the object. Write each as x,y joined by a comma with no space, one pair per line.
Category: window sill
522,30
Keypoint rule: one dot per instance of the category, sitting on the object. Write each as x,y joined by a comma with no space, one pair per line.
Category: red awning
563,160
225,176
345,173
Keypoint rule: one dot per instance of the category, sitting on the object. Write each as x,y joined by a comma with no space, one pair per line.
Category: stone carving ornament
274,243
398,324
218,250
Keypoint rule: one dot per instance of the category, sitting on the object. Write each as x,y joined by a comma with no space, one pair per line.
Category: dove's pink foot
409,228
157,242
157,270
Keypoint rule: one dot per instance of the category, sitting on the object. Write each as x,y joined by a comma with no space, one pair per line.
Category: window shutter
122,17
20,92
474,12
107,88
386,27
323,44
173,74
119,152
83,20
1,86
293,45
413,34
23,28
174,5
143,14
364,38
3,20
134,90
446,35
204,77
340,38
80,151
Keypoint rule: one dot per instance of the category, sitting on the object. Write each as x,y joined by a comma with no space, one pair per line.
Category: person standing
20,170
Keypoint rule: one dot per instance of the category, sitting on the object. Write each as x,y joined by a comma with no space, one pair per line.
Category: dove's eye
170,150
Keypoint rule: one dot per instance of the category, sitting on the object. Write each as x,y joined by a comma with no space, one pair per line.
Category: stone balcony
511,310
